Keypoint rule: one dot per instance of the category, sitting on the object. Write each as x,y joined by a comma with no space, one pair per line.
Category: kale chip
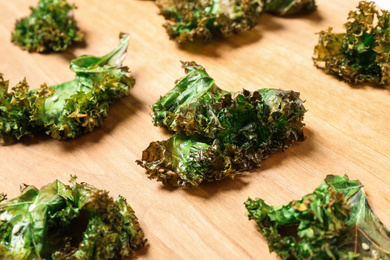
188,20
362,53
70,109
50,27
333,222
201,19
67,222
218,133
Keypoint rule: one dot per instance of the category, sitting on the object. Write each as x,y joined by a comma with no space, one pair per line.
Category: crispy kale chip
69,109
333,222
50,27
67,222
361,54
219,133
289,7
201,19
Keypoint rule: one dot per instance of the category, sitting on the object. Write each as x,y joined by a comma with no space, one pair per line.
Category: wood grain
348,128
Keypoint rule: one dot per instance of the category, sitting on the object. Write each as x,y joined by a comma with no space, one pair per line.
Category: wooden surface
347,128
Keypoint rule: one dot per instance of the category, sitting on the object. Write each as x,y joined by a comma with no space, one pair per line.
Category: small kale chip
199,19
362,53
218,133
289,7
70,109
333,222
50,27
67,222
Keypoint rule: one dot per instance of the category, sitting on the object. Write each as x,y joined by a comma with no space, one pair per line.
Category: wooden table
347,128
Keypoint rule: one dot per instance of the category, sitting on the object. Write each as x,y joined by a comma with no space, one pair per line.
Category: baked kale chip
67,222
70,109
201,19
289,7
218,133
188,20
333,222
362,53
50,27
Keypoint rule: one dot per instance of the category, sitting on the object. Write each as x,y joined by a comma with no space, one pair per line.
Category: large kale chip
70,109
218,133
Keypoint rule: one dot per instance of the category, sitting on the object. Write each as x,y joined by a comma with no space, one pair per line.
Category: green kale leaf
70,109
67,222
333,222
219,133
361,54
50,27
289,7
199,19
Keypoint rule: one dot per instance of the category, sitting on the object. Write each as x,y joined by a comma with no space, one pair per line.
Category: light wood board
347,128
